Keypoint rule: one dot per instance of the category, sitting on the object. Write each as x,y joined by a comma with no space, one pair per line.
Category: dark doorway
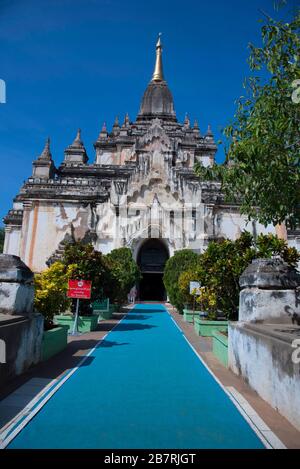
151,259
152,287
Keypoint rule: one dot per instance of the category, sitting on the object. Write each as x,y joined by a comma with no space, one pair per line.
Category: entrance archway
151,259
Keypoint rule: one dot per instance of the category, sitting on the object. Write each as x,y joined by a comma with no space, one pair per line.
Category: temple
139,191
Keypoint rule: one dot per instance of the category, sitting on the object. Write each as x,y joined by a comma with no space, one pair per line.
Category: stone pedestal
16,286
269,292
262,345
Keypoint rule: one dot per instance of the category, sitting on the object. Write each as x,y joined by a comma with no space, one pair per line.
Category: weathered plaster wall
47,225
23,338
265,362
229,223
12,240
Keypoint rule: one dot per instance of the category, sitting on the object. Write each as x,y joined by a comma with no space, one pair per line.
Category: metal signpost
79,289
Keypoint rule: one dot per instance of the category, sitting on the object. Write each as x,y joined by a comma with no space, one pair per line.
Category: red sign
79,289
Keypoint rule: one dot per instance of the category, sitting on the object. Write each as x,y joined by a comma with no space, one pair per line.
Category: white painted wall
266,364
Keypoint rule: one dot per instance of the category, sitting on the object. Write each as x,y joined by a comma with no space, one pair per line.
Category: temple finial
187,121
116,123
116,126
126,120
46,153
78,141
209,131
158,69
103,133
196,129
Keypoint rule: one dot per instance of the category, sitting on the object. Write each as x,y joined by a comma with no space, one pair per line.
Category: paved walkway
142,387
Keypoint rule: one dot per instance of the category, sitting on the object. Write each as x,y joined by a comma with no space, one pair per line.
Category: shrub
208,301
125,272
182,260
184,280
51,291
221,265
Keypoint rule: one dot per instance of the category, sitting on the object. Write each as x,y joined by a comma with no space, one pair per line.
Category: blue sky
77,63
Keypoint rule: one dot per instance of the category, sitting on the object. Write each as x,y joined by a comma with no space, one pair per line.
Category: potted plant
50,298
209,319
87,264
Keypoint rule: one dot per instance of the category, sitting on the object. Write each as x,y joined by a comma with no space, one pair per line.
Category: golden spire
158,69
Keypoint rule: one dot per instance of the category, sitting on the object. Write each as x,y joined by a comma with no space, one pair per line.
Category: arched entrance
151,259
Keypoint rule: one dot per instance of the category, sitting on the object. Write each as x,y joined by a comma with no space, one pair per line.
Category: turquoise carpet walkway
144,387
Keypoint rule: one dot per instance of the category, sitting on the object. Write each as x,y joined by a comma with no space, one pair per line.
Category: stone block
16,298
270,274
16,286
281,306
12,269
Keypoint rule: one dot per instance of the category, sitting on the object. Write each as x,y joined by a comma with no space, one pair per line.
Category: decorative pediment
155,132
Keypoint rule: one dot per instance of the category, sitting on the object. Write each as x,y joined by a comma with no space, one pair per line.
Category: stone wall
21,330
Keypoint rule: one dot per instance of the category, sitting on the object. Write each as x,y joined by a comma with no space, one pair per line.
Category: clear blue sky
77,63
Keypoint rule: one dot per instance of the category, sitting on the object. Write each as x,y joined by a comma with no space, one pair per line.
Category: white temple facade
140,191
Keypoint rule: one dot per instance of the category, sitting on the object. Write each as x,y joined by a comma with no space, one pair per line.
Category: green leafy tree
2,236
125,272
262,167
90,265
181,261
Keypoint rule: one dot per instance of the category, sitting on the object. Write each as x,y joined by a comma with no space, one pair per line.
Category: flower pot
220,347
85,323
106,314
205,328
189,315
54,341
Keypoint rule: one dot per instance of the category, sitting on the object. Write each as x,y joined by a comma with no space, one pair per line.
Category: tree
2,236
124,271
90,265
181,261
219,269
262,167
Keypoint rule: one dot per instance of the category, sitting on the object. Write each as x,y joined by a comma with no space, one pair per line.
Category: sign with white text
80,289
195,288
